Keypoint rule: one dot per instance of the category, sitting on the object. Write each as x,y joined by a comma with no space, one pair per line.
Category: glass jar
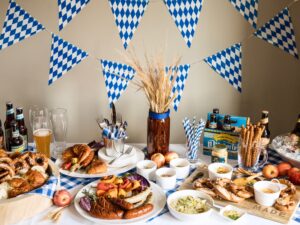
158,133
219,153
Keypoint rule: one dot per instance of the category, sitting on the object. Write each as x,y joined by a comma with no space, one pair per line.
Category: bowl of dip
220,170
189,205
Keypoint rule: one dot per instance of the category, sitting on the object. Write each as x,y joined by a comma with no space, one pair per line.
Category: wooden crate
25,206
248,205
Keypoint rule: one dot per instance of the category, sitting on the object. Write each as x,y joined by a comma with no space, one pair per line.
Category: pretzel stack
250,140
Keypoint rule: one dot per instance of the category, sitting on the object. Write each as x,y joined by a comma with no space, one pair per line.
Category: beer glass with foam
42,133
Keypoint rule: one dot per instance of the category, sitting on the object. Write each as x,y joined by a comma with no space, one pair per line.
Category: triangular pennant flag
18,25
182,72
248,8
228,63
128,14
68,9
185,13
279,32
117,76
64,56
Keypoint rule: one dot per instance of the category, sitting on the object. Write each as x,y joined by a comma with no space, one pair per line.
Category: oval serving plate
110,170
159,201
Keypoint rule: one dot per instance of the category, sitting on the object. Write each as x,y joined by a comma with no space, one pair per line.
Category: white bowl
166,178
147,169
231,207
266,199
212,171
182,167
189,217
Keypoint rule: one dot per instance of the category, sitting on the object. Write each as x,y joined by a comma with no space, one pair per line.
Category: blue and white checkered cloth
228,63
48,188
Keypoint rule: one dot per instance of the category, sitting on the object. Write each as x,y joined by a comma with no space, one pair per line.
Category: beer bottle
10,116
15,141
227,123
216,111
297,127
212,121
21,126
265,137
1,136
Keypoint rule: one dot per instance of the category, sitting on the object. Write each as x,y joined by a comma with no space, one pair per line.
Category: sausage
139,211
122,203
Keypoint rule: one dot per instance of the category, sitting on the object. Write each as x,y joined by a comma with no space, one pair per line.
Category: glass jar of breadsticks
252,154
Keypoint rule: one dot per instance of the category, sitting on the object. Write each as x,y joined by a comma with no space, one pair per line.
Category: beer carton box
212,137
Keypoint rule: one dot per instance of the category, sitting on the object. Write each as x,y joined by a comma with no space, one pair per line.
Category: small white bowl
147,169
231,207
182,167
189,217
212,171
166,178
266,199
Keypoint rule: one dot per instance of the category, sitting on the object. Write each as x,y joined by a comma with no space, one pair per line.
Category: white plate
110,170
159,201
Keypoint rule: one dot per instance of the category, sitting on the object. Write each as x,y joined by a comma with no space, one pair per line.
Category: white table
70,216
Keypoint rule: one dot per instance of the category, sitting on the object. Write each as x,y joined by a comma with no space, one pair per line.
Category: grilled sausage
122,203
139,211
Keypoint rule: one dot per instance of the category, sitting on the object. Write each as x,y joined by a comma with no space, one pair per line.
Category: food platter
110,171
249,205
159,201
288,150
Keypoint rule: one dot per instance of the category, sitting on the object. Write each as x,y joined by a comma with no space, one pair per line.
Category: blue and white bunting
182,72
279,32
185,13
117,76
64,56
128,14
18,25
248,9
68,9
228,63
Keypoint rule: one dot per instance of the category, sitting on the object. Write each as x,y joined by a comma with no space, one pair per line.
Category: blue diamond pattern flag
185,13
181,72
248,8
18,25
228,63
279,32
64,56
117,76
128,14
68,9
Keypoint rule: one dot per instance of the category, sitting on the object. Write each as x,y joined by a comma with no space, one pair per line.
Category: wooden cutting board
249,205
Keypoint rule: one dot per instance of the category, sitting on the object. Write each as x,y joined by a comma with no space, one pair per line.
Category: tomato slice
105,186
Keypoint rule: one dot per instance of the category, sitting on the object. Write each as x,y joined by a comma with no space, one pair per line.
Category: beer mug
42,133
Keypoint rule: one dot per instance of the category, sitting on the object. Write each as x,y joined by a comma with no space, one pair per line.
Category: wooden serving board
25,206
248,205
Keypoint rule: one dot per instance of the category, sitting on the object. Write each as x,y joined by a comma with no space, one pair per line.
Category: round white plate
159,201
110,170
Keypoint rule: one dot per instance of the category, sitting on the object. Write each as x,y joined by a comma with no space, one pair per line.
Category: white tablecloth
70,216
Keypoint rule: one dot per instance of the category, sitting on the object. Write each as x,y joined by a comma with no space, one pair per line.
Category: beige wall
270,77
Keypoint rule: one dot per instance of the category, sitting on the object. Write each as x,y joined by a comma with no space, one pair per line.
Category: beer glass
59,121
42,133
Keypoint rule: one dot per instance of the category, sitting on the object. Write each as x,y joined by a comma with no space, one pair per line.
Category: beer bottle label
226,126
212,125
264,120
1,142
19,116
10,111
25,141
19,148
15,134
